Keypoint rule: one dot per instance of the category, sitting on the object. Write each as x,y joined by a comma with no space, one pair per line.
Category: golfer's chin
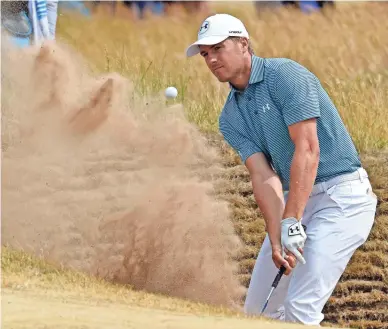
221,77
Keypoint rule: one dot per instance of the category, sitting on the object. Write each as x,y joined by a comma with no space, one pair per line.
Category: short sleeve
296,89
240,143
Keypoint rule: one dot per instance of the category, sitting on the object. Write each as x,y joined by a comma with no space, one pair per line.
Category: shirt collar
257,72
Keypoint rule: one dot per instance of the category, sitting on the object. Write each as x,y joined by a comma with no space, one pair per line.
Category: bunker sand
53,309
112,185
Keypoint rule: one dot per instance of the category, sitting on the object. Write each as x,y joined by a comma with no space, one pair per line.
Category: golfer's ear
245,44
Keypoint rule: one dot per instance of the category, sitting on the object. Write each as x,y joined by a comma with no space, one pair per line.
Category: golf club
274,285
276,282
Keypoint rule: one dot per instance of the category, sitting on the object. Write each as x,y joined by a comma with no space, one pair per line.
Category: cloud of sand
96,183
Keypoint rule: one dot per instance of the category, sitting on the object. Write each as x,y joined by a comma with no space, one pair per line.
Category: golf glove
293,237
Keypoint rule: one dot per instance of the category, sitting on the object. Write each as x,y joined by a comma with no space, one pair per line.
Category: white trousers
339,217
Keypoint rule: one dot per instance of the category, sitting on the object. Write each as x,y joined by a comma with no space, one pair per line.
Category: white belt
359,174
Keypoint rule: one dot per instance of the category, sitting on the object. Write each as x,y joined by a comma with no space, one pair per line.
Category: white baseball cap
216,29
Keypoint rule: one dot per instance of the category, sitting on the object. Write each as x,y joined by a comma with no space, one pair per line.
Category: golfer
303,166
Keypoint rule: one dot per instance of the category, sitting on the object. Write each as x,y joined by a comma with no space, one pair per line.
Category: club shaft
270,294
274,285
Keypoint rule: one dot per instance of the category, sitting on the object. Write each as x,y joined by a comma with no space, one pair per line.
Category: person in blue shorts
20,18
303,166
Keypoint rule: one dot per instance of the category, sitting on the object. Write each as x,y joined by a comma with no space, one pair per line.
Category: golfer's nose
213,60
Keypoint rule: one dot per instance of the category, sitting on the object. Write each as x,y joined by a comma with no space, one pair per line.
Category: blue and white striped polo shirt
280,93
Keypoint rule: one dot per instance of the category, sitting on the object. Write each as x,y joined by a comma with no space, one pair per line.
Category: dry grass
23,271
40,295
346,49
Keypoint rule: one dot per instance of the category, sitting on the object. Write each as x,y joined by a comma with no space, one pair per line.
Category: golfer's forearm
269,198
302,176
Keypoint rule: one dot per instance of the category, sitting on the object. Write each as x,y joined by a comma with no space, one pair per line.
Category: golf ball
171,92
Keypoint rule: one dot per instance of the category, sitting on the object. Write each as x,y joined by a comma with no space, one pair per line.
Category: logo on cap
204,27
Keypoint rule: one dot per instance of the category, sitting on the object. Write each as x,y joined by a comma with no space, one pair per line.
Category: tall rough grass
346,48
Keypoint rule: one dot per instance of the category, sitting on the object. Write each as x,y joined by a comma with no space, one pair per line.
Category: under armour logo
294,229
266,107
204,27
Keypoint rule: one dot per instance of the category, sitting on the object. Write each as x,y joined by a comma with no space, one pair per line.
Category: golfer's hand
293,238
288,261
